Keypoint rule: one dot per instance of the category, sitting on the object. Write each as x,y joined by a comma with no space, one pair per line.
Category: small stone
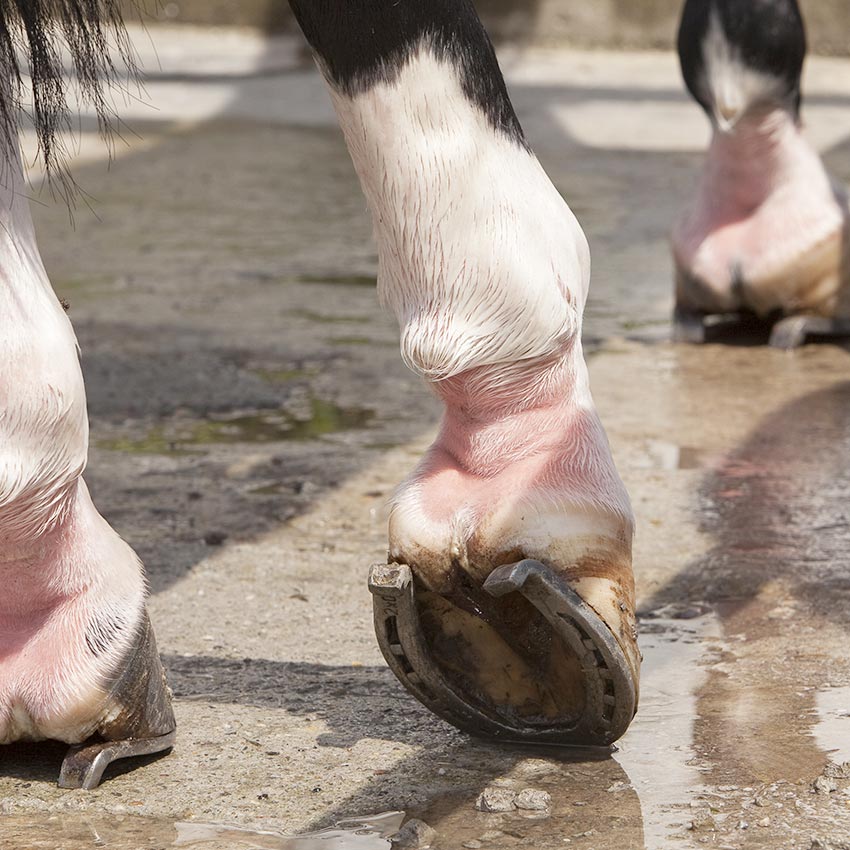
496,800
535,765
702,822
837,771
825,785
764,822
215,538
743,824
688,613
414,835
533,801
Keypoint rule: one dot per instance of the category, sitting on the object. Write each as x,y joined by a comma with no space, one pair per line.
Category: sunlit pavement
250,417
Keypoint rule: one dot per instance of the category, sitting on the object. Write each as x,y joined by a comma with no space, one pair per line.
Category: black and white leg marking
485,267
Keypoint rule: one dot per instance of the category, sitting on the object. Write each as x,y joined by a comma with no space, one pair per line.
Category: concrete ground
250,417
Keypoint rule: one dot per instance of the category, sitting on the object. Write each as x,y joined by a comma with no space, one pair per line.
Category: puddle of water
339,280
266,427
353,834
657,752
590,803
640,798
99,285
283,376
832,731
80,831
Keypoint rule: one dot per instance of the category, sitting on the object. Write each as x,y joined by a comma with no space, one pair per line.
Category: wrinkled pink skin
522,469
530,435
55,589
65,575
766,229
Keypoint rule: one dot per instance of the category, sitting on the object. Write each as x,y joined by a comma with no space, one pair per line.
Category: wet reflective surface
832,728
251,417
133,833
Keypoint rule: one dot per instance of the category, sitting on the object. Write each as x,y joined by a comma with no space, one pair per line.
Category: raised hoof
688,327
792,332
84,765
608,698
141,718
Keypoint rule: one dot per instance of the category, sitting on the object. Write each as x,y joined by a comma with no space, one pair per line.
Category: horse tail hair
36,39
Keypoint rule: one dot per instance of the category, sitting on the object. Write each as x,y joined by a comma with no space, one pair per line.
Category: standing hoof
792,332
688,327
556,673
141,718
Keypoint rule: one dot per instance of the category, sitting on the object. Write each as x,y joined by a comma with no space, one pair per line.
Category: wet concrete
132,833
246,441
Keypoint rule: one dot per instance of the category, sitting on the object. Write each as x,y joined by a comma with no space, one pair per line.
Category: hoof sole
610,694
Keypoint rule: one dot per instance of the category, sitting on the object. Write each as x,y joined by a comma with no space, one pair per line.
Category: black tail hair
35,36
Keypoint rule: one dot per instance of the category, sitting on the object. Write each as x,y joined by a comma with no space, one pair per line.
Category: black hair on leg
769,35
361,43
34,36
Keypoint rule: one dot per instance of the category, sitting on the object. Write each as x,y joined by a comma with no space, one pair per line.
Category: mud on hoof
523,659
141,721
